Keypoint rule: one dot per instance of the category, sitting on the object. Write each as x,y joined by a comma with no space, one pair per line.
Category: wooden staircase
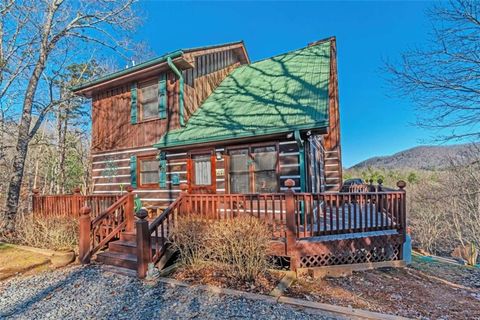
333,170
122,253
113,235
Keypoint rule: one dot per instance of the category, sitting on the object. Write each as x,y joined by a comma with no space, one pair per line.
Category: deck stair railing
94,234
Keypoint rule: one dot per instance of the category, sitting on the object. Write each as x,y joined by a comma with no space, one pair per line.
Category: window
239,171
265,169
202,168
148,100
148,171
254,169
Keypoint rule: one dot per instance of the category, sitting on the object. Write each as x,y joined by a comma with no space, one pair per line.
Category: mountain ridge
426,157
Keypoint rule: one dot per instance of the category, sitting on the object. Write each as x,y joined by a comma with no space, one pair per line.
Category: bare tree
52,34
442,79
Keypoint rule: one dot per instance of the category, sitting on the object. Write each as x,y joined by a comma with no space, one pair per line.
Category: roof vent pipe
179,75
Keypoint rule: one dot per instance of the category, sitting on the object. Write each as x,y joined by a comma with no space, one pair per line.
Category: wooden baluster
129,210
84,235
144,252
291,224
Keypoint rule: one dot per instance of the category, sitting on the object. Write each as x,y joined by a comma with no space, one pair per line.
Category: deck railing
69,205
290,216
339,213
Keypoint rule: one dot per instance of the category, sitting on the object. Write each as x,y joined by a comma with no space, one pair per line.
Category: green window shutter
133,171
162,96
133,104
162,176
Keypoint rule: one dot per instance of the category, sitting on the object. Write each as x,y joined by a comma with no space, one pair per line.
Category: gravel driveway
90,292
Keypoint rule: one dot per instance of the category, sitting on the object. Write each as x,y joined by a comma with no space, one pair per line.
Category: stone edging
328,308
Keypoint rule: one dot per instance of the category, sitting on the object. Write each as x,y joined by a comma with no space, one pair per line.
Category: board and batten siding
111,109
111,120
210,70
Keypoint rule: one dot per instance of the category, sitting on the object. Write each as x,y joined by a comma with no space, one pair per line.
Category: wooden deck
311,230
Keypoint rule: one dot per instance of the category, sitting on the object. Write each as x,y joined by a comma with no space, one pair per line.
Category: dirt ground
14,261
425,290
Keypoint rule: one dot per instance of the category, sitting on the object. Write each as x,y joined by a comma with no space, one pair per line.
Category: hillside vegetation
443,202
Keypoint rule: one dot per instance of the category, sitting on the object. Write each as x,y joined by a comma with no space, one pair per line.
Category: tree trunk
16,178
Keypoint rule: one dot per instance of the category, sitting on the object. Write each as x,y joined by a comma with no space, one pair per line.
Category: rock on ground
79,292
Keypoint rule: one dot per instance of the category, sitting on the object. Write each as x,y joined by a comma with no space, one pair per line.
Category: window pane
265,162
148,100
239,183
148,171
265,158
149,165
149,177
203,170
239,160
266,182
150,110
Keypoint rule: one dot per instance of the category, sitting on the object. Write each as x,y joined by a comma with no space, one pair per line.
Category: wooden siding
209,72
111,126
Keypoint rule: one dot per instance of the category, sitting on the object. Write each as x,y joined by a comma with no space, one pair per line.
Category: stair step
120,270
129,247
128,236
119,259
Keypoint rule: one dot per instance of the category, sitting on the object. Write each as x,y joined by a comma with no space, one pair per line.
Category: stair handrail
158,220
115,220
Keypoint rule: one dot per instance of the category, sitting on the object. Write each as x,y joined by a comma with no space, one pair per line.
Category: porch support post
129,210
291,225
406,248
144,249
84,235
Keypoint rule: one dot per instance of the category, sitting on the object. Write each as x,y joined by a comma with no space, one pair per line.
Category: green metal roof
280,94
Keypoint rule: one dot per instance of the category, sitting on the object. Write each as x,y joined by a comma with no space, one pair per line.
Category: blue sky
373,121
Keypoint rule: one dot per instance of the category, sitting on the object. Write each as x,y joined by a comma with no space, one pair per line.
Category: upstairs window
148,100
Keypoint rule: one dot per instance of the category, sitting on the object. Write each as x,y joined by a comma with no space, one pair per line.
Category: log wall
111,170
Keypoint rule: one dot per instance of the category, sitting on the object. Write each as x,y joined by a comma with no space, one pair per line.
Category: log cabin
209,118
205,131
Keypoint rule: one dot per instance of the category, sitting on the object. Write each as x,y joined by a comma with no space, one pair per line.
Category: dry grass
13,261
238,246
55,233
241,246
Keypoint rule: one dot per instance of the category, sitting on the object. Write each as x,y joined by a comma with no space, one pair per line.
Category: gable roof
182,59
280,94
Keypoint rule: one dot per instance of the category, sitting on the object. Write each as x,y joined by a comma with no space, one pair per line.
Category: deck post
76,205
291,225
35,198
84,235
144,251
403,214
129,210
